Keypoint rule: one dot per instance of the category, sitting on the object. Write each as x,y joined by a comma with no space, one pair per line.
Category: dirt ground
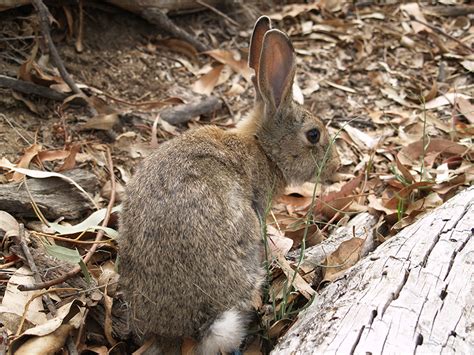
382,77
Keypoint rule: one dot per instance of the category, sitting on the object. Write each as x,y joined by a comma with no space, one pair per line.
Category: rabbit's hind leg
225,334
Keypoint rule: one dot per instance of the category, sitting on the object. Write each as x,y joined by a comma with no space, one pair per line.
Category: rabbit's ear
276,69
262,25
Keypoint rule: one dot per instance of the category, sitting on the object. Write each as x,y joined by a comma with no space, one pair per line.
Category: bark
413,294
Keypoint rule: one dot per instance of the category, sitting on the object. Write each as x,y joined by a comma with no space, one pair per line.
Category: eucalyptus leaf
91,223
65,254
69,255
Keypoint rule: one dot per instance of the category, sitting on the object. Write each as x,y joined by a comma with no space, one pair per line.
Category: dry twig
159,18
441,32
46,299
26,87
220,13
185,112
43,14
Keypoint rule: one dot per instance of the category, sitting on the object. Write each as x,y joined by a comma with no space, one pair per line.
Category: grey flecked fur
190,235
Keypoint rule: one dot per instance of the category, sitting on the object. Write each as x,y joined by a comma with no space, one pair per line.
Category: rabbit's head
291,136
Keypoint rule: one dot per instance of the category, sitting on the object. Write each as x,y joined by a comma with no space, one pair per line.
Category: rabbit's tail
225,334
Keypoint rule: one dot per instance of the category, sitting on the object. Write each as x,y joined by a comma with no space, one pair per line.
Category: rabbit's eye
313,135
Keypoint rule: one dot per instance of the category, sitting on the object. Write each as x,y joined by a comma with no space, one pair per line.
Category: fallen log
413,294
55,197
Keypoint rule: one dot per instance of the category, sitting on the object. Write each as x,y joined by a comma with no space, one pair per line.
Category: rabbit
190,237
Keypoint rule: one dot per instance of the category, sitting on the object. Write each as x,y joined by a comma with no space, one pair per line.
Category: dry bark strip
54,196
414,294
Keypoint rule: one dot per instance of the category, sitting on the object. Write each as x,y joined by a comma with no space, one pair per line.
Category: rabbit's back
190,243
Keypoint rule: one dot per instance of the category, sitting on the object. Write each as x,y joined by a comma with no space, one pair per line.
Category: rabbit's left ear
276,69
261,27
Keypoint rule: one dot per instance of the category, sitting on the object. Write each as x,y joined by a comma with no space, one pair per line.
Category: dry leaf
466,108
299,283
206,83
51,155
14,301
46,345
403,169
24,162
180,46
101,122
447,99
403,194
346,255
330,204
278,328
238,65
413,10
277,243
293,10
70,161
8,223
341,87
414,151
362,139
108,303
468,64
31,106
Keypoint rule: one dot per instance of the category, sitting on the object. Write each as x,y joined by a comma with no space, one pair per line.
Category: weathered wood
54,196
413,294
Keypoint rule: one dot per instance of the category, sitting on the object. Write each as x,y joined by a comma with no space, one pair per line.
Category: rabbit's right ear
276,69
262,25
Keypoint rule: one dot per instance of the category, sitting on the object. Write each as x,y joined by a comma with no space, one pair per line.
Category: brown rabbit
190,235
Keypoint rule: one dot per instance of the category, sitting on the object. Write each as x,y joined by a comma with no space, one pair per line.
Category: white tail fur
224,335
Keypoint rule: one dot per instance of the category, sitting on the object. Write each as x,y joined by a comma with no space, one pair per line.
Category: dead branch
46,298
216,11
183,113
451,11
44,15
26,87
157,17
441,32
31,264
92,250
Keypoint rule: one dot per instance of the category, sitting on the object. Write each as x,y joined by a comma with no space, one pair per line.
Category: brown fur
190,235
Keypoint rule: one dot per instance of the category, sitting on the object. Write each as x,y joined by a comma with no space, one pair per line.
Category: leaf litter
393,82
